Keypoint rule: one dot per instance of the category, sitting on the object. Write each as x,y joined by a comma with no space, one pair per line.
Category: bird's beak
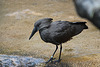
33,32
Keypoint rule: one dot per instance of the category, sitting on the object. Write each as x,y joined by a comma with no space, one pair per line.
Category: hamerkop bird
57,32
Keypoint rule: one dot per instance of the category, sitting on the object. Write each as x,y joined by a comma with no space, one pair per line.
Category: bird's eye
38,25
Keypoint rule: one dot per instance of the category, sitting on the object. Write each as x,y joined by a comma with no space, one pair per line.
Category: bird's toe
50,60
57,61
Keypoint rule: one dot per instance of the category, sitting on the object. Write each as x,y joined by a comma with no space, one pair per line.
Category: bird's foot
50,60
57,61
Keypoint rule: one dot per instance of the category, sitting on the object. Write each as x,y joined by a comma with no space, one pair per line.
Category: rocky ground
19,61
16,23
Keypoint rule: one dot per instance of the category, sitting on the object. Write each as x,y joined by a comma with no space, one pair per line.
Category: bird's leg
52,55
59,55
54,51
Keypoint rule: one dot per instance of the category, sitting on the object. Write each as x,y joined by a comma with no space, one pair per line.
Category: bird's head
40,24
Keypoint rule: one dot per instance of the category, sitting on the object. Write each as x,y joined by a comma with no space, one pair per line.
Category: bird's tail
80,23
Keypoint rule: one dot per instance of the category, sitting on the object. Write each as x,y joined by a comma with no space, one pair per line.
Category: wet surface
19,61
16,23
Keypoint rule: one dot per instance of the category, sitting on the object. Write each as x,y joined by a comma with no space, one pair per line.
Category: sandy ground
17,18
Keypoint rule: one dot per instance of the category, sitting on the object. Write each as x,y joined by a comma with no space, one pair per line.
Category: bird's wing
60,26
61,31
58,29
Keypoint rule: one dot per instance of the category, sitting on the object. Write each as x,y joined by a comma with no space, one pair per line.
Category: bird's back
61,31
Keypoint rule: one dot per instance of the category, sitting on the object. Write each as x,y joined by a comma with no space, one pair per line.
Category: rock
19,61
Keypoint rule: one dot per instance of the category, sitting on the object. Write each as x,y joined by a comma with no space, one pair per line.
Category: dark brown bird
57,32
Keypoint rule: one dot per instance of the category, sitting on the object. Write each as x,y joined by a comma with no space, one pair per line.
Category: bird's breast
44,34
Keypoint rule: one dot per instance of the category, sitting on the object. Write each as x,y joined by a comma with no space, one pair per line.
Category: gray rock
89,9
19,61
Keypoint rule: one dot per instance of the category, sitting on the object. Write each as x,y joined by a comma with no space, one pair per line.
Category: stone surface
19,61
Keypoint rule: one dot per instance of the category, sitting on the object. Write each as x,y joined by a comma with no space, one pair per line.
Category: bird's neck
44,27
